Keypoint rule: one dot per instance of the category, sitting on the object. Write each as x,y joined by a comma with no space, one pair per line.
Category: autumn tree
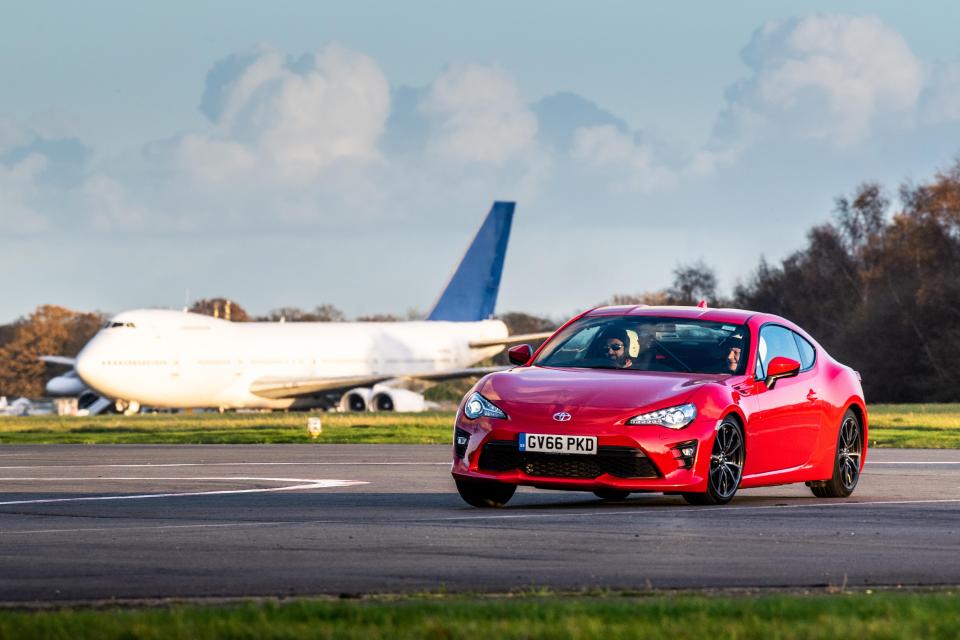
693,283
379,317
320,313
220,308
647,297
881,293
50,330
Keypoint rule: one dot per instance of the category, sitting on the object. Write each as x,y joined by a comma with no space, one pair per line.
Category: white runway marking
300,484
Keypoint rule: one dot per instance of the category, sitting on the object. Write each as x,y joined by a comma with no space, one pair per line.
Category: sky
300,153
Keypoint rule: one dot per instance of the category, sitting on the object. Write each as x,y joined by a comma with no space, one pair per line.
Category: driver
614,348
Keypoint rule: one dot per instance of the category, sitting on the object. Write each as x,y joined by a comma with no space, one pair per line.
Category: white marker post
314,427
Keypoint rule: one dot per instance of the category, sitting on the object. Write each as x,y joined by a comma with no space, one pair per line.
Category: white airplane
174,359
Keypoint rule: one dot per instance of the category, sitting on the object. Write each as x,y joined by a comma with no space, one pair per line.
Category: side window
776,341
808,354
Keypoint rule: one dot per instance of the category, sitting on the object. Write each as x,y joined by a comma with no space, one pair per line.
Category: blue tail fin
472,291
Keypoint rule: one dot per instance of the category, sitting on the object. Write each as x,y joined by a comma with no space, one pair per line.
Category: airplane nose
88,365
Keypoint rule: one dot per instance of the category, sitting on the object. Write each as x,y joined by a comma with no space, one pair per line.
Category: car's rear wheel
611,494
726,465
485,493
846,462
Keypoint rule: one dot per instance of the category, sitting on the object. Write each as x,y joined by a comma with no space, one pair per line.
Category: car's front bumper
631,458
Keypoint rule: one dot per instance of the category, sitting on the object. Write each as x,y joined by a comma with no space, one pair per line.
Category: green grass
229,428
847,615
914,426
931,426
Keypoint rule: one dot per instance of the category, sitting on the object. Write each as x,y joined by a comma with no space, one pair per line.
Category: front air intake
620,462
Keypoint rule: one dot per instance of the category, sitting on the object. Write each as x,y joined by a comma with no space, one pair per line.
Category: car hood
600,392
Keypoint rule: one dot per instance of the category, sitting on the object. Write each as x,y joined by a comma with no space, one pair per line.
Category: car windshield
649,343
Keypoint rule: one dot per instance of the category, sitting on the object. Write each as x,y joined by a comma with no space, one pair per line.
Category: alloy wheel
849,453
726,460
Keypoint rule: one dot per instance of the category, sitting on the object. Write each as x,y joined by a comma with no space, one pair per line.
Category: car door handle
812,395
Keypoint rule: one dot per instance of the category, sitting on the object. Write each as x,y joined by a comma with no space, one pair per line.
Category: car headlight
672,417
477,406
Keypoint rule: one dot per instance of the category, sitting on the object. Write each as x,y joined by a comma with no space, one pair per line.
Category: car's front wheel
485,493
846,462
726,466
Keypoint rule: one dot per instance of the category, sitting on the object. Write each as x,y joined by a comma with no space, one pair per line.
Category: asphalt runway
103,522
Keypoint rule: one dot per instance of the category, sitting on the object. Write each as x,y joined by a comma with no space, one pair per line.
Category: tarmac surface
84,523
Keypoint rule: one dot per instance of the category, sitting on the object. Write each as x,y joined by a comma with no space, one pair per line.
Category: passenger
614,345
647,351
733,348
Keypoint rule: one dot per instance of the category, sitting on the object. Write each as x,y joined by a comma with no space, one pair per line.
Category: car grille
622,462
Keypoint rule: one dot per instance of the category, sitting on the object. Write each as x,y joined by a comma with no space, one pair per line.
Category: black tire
485,494
846,460
611,494
726,465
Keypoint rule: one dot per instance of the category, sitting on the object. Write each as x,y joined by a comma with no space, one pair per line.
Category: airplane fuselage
177,359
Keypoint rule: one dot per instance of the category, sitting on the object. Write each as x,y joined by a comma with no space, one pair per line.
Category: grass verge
229,428
934,426
930,426
886,615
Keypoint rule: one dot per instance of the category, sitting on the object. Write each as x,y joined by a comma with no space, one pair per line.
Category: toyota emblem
562,416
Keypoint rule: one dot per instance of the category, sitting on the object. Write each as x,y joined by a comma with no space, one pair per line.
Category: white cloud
214,160
618,154
940,101
297,142
294,117
480,116
12,135
18,191
824,77
112,208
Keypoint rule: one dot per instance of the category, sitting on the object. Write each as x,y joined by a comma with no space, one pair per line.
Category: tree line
877,285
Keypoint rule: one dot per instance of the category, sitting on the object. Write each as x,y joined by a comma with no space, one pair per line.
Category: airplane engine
391,399
356,399
66,385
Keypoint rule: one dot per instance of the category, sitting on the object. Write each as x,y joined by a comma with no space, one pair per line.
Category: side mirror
520,354
781,367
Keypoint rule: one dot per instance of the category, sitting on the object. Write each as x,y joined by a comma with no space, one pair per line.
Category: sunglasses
614,347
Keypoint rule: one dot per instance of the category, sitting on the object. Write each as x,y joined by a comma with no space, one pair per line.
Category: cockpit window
649,343
110,324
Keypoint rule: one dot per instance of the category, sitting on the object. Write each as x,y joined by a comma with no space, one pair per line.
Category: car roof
737,316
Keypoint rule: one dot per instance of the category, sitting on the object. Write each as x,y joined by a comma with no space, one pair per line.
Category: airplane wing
278,388
514,339
64,360
456,373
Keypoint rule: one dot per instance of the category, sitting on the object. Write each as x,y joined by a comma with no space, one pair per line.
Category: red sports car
679,400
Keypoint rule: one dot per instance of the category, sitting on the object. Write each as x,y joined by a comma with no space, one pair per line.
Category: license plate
547,443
